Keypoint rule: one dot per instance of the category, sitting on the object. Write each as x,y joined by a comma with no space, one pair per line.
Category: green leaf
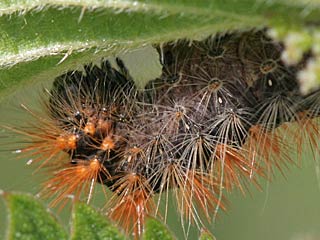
206,235
41,39
155,230
87,223
30,220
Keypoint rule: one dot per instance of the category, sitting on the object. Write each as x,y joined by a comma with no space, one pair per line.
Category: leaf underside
41,39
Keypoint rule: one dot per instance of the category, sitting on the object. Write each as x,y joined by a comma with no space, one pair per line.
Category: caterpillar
216,119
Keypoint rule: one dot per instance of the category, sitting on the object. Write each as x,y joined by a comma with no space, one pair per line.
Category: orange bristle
198,195
267,149
90,128
107,143
133,203
73,180
307,132
193,190
45,143
234,168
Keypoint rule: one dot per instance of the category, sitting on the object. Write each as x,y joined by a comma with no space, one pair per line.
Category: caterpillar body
216,119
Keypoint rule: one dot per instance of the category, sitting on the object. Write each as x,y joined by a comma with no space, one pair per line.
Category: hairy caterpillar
217,118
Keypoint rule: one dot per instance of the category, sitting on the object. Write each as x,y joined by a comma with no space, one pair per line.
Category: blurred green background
287,208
